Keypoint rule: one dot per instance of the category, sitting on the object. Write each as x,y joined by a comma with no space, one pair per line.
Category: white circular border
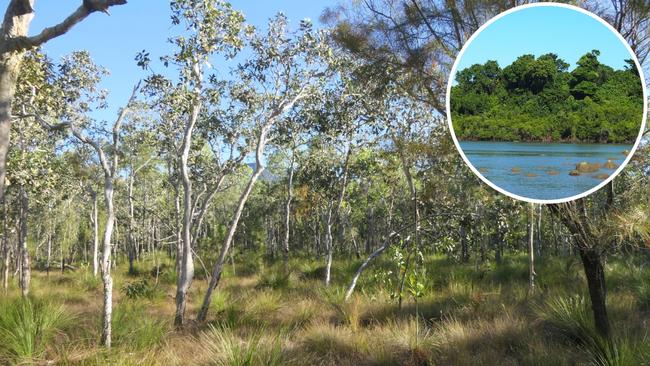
452,75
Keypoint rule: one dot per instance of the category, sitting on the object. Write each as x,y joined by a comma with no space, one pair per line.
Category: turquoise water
495,160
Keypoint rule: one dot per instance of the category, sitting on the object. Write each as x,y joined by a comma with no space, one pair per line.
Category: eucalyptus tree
109,164
15,41
282,69
75,83
293,135
138,147
82,167
30,170
407,122
212,28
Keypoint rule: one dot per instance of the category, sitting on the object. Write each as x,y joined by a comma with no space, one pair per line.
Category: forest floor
260,317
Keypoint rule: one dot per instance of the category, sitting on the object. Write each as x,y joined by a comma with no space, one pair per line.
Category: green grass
27,326
261,316
134,328
224,347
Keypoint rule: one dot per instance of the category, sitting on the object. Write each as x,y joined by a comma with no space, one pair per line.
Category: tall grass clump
26,327
275,279
88,282
569,317
572,318
222,347
349,312
643,295
614,353
133,328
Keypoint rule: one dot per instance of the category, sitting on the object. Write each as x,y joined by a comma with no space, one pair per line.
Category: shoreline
553,142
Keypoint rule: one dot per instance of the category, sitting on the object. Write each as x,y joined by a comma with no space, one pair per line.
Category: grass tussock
27,326
222,346
468,315
135,329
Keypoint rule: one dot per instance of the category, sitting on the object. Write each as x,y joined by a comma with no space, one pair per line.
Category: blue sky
114,40
539,30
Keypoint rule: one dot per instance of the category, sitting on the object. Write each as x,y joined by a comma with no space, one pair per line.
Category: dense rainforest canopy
540,99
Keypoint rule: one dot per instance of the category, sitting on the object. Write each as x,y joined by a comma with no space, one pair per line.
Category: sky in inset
545,29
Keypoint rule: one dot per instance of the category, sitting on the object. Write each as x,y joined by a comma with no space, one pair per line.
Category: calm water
495,160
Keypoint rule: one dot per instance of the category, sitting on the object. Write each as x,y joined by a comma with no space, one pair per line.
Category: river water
541,170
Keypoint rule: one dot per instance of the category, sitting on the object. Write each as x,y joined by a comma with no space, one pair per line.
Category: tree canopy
540,99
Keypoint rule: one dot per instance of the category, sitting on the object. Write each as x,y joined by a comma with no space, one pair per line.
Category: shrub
140,289
27,325
275,280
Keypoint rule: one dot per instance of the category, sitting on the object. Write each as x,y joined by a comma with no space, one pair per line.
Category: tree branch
88,7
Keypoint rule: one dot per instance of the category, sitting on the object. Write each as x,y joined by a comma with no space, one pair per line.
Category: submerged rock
516,170
531,175
552,172
584,167
625,152
610,164
601,176
483,170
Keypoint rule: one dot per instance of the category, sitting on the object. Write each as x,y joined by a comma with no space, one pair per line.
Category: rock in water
516,170
531,175
552,172
610,164
574,173
584,167
601,176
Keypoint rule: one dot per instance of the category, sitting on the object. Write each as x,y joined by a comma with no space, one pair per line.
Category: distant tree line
539,99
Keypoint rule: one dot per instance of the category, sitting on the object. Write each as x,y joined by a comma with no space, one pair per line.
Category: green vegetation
27,326
286,194
466,316
539,99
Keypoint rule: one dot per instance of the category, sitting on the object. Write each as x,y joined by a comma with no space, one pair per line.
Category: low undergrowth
274,317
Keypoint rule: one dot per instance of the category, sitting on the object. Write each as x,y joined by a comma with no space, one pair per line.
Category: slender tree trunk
49,252
186,268
106,262
94,220
416,212
178,231
218,266
329,243
538,233
498,246
110,170
25,273
287,215
367,262
131,223
5,245
464,252
531,247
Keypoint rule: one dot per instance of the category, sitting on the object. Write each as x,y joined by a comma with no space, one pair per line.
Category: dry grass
466,318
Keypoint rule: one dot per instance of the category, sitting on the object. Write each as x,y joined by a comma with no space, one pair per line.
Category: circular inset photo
546,103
